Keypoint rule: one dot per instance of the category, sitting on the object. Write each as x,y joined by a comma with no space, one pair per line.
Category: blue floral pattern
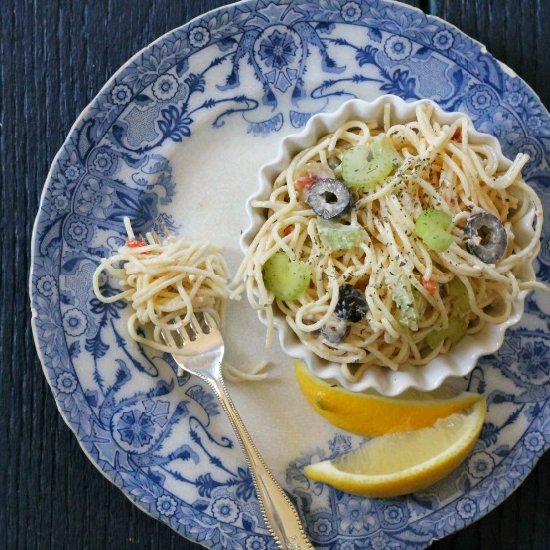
46,286
199,36
225,509
443,40
121,94
397,48
135,428
351,11
66,382
166,505
466,508
278,50
165,87
75,322
294,58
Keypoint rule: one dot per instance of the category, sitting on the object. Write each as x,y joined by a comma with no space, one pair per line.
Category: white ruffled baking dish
462,358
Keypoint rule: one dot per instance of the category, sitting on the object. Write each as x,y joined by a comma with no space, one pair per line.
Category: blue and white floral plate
177,136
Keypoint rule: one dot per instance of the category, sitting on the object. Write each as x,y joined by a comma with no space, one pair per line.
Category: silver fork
205,342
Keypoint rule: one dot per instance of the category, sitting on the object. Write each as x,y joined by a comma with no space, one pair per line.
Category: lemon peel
402,463
371,414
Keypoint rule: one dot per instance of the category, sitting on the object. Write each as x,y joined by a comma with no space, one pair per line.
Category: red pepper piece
288,230
429,285
305,182
135,243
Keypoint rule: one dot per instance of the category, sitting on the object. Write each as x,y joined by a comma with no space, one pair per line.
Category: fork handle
279,513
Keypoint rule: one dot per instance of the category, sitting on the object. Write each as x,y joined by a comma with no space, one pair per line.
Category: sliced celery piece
458,291
338,236
405,300
454,332
431,226
286,278
365,166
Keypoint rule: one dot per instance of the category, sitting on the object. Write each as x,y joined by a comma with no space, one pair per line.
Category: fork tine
167,337
209,321
182,334
195,325
180,330
190,332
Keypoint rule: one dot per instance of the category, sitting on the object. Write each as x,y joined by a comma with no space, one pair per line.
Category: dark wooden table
55,55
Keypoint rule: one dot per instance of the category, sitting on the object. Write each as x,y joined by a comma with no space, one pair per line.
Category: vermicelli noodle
167,283
439,169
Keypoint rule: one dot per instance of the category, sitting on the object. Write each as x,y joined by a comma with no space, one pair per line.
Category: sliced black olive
485,237
329,198
334,331
352,304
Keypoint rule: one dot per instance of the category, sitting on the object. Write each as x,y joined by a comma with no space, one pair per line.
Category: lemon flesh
371,414
398,464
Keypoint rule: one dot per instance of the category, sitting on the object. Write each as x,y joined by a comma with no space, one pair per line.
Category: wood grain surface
55,55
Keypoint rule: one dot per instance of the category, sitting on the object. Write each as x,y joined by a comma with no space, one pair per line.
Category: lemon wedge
370,414
401,463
